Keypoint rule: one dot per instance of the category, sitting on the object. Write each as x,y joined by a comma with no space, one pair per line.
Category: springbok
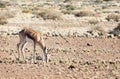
36,37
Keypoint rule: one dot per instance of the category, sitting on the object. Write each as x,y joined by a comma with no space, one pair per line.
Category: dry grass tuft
116,31
83,13
114,17
26,10
2,4
93,21
50,14
70,7
3,20
107,0
5,14
97,31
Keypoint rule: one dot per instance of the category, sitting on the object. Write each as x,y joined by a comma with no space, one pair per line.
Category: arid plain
82,39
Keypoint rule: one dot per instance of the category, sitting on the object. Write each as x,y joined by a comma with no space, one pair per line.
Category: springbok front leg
45,54
34,53
43,46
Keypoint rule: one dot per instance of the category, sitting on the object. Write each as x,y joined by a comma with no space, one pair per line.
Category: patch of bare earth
70,58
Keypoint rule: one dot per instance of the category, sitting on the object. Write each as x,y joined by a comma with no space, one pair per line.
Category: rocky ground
70,58
82,39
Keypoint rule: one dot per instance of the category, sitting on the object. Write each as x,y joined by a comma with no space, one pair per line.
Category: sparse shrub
98,1
116,31
70,7
83,13
50,14
114,17
2,4
97,31
3,20
67,1
67,11
26,10
93,21
5,14
100,29
107,0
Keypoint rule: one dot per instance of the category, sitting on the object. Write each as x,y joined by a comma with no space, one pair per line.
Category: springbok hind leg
22,49
20,45
19,48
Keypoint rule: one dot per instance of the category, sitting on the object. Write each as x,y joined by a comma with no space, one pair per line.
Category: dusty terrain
70,58
82,39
